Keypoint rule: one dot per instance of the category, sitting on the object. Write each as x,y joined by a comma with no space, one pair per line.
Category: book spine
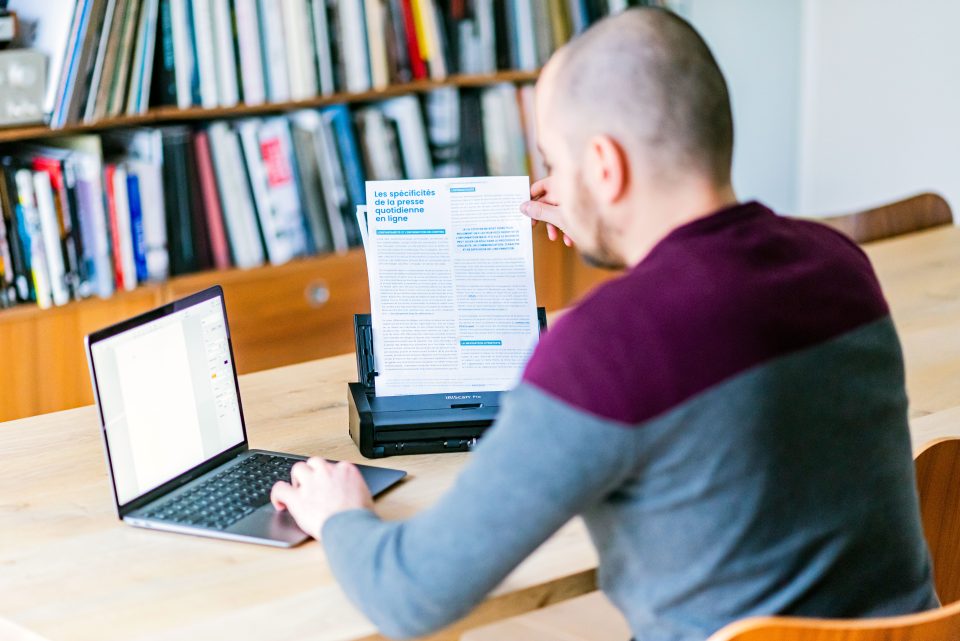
321,38
64,223
49,229
32,232
274,51
137,236
224,54
417,59
184,60
115,239
355,50
92,214
251,56
121,76
163,91
211,201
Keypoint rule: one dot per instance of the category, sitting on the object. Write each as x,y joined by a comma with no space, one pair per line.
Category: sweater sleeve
542,463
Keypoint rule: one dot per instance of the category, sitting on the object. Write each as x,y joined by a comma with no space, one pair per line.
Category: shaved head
646,79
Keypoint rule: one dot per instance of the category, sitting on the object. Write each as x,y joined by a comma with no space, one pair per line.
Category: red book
53,168
108,173
211,202
417,66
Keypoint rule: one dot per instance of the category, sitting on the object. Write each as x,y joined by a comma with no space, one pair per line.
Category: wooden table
70,570
920,274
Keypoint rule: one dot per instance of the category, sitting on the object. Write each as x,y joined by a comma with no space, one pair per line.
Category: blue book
136,227
341,121
72,63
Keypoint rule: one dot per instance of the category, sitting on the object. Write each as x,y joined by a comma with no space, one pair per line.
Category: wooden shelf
197,280
167,115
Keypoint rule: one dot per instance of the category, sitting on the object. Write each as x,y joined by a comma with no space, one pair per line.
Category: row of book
91,214
112,57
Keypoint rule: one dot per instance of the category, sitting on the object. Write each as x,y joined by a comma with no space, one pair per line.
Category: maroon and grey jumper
729,418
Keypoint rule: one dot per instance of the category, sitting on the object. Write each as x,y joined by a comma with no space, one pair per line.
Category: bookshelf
282,310
280,315
169,115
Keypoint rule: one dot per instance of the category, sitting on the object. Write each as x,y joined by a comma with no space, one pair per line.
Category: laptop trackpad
266,522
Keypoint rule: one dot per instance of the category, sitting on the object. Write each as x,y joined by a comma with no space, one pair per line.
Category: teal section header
410,232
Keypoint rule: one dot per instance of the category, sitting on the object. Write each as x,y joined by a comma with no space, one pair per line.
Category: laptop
166,390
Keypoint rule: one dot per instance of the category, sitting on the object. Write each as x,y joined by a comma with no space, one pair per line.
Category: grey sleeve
542,463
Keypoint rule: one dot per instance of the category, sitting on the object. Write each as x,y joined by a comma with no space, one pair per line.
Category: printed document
450,264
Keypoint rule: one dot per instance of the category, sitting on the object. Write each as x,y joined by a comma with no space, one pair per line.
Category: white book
205,46
239,214
268,150
437,63
183,55
31,221
353,37
486,36
376,41
526,40
251,56
89,114
53,20
248,131
227,91
503,132
300,49
138,99
124,228
616,6
150,177
414,147
334,185
50,229
275,51
380,145
538,168
321,37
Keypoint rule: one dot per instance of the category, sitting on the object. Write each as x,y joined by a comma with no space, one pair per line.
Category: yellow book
420,22
560,22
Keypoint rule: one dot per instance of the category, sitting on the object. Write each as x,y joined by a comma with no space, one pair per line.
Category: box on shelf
22,83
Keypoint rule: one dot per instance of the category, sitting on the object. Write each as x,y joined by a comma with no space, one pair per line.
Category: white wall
758,46
881,102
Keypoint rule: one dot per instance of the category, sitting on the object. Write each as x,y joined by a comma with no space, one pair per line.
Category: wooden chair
902,217
593,618
942,624
938,483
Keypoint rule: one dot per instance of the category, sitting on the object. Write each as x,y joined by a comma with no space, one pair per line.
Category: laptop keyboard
228,496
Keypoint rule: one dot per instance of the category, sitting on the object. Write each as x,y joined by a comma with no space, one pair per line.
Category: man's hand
543,206
320,489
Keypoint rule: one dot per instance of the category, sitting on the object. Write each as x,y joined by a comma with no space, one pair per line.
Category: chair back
902,217
942,624
938,483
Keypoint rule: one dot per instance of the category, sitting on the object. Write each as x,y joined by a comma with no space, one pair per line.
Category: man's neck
665,214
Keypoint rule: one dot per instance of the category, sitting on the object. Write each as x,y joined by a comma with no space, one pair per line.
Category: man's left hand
318,490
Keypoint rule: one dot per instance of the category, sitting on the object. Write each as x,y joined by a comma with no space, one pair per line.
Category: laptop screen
168,396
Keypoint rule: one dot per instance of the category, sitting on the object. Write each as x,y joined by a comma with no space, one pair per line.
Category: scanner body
413,424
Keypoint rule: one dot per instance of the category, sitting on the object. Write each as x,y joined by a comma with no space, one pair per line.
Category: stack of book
113,57
91,214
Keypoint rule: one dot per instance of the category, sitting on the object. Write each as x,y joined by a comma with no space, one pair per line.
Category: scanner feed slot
416,424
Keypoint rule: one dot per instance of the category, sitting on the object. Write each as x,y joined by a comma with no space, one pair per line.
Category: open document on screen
450,264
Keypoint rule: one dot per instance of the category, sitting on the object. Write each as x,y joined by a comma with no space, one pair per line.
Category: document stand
415,424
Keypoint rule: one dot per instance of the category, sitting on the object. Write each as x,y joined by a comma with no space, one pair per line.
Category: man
729,416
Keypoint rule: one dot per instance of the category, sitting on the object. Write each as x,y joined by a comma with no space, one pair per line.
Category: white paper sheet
450,264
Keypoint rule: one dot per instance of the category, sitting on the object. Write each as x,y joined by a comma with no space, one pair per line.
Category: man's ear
609,168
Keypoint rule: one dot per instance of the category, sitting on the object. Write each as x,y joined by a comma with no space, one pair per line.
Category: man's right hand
543,206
